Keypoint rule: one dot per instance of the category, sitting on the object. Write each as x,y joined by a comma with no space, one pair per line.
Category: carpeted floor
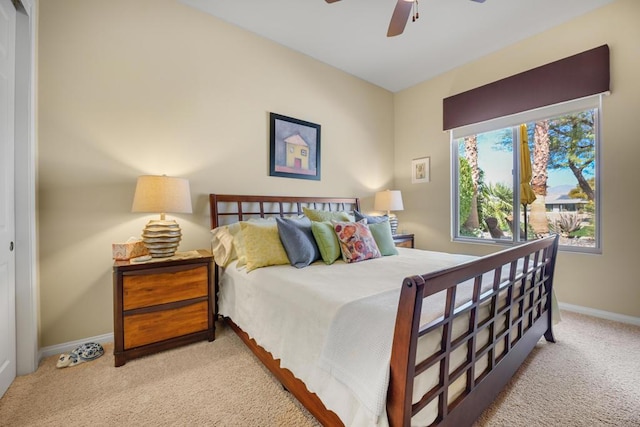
590,377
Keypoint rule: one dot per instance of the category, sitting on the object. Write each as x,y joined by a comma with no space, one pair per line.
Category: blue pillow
298,241
370,218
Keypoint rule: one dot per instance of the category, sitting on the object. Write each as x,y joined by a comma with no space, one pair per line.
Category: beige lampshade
389,200
161,194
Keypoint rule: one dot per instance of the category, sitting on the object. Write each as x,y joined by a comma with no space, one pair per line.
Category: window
491,180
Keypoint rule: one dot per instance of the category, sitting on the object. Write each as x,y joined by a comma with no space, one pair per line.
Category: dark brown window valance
577,76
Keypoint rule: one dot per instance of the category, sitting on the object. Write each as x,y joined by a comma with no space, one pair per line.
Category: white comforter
332,326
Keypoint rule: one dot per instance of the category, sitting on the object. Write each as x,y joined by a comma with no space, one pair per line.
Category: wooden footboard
520,313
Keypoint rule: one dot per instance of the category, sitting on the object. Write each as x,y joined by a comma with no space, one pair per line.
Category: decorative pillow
370,218
320,215
298,241
238,243
381,233
327,241
238,240
222,246
262,245
356,241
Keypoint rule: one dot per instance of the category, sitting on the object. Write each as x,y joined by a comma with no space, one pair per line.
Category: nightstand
403,240
161,304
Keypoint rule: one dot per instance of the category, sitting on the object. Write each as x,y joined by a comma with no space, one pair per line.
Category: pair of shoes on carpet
83,353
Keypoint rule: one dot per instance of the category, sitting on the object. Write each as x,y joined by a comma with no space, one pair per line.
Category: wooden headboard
230,208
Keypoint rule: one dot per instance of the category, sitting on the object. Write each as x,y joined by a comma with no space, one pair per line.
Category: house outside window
489,200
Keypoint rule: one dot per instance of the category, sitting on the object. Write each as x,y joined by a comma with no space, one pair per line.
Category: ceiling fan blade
333,1
399,17
477,1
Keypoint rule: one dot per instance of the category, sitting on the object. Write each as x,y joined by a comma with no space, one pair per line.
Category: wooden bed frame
525,310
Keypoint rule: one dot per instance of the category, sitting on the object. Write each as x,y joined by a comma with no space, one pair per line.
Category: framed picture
294,148
420,170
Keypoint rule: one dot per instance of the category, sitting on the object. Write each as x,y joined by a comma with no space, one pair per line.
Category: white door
7,228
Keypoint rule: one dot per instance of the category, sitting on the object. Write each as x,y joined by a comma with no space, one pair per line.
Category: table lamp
389,200
162,194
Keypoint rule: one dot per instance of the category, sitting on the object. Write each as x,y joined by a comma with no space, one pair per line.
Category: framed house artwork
420,170
294,148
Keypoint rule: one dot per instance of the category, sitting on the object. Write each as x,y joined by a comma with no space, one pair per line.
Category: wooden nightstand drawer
147,328
144,290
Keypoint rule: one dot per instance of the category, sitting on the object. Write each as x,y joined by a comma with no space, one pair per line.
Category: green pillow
321,216
381,233
327,241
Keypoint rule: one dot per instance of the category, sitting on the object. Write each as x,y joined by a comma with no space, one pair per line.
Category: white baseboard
600,313
68,346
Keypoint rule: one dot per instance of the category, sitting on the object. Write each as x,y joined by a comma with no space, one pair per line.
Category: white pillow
222,246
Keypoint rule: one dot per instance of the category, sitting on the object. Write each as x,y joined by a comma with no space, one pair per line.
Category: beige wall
151,87
604,282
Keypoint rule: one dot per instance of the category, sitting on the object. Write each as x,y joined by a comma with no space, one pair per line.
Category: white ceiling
351,34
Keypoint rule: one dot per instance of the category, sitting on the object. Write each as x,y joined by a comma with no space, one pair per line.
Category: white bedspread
357,349
305,317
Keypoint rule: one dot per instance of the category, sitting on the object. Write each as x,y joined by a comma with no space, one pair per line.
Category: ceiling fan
401,15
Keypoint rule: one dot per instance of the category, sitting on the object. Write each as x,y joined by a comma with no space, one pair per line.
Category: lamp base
161,237
393,223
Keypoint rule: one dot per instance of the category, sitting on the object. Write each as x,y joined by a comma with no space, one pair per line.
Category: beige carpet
591,377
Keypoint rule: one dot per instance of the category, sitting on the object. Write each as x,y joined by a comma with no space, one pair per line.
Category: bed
421,338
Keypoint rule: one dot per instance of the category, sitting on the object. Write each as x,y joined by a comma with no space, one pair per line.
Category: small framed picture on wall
420,170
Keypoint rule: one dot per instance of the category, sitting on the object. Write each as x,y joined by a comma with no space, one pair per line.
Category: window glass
486,184
527,181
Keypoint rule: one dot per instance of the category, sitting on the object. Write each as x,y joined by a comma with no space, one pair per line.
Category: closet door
7,220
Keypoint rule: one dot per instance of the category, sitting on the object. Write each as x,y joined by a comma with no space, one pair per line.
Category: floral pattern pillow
356,241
